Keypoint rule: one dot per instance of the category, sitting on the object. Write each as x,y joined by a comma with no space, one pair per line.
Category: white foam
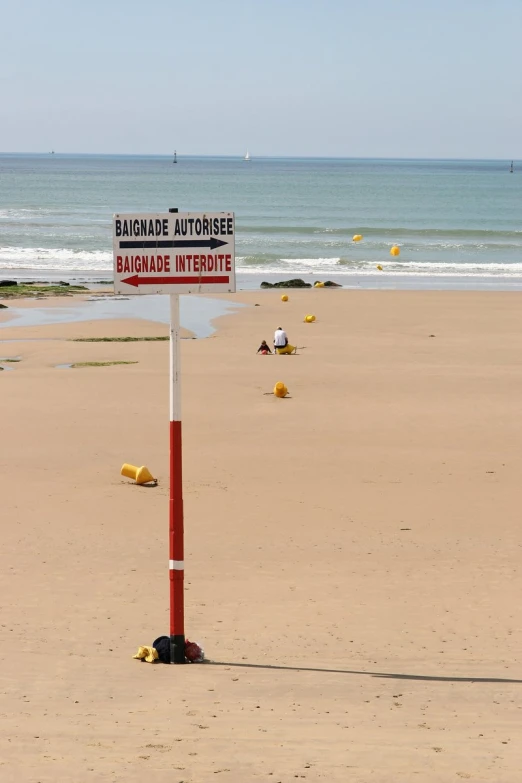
437,267
391,268
54,258
63,260
311,262
24,214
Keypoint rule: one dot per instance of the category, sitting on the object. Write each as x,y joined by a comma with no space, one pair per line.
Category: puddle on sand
6,362
63,366
196,312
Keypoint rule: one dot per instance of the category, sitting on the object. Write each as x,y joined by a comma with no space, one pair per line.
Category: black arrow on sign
211,243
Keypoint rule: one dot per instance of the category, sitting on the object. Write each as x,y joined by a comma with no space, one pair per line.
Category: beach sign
174,253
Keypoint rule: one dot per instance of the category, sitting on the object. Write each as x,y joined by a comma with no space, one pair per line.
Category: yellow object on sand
394,251
284,298
309,319
287,349
318,284
280,389
357,237
150,654
140,475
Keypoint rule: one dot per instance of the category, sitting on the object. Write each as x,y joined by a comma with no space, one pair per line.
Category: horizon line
241,157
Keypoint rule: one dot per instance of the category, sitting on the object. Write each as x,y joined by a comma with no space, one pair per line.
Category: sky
321,78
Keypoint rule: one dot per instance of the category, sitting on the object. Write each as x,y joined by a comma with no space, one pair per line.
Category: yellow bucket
286,349
280,389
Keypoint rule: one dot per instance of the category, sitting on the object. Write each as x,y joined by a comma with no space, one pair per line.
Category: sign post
176,526
171,254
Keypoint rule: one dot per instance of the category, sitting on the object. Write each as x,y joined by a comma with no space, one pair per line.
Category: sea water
456,222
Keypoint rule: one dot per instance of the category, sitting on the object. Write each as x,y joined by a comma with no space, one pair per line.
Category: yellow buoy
309,319
394,251
140,475
357,237
284,298
280,389
318,284
379,267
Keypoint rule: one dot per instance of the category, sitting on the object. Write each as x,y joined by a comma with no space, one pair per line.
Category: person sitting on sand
264,349
280,338
281,344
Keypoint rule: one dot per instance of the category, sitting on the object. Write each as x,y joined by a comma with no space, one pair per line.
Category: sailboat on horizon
247,156
511,169
175,157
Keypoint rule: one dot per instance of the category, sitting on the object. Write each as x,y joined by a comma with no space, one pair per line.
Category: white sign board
174,253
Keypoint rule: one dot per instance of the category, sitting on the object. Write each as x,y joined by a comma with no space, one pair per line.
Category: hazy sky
351,78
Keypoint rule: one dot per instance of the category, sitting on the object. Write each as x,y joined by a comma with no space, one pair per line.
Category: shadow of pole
383,675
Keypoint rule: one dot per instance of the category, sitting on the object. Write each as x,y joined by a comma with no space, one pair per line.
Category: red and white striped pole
176,548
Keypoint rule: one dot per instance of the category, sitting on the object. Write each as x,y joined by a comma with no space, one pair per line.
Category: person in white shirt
280,338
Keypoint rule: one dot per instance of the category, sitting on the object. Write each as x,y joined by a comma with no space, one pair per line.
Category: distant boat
511,169
247,156
175,157
52,152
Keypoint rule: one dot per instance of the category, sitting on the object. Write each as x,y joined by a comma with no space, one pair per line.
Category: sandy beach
352,551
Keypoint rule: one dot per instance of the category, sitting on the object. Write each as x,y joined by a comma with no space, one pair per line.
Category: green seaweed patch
10,360
97,364
21,291
119,339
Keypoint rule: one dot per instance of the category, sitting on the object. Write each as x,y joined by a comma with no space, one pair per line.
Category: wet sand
352,551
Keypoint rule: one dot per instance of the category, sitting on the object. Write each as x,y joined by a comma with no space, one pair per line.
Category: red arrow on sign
137,280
